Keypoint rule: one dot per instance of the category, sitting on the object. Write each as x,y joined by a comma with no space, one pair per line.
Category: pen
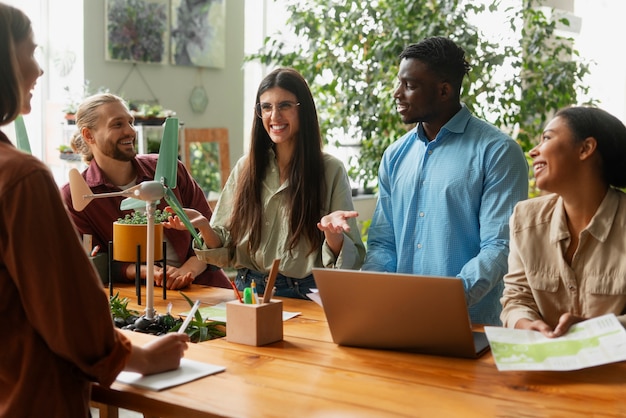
255,295
269,286
95,250
232,283
192,312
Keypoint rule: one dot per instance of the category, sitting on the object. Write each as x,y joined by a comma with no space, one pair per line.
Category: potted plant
73,99
66,153
149,113
131,230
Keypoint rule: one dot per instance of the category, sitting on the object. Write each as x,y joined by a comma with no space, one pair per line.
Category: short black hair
442,56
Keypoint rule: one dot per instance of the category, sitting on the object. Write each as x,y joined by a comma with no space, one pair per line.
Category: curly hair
442,56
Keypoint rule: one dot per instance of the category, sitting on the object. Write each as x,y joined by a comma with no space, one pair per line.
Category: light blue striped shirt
444,208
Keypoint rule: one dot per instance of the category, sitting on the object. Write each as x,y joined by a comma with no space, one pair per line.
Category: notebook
424,314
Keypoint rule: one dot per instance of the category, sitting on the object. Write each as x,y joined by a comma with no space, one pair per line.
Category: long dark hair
305,194
14,27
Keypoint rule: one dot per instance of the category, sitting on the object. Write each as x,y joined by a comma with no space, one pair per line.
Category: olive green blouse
275,232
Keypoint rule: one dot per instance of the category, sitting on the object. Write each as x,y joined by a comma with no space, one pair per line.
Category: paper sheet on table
188,371
589,343
315,297
218,313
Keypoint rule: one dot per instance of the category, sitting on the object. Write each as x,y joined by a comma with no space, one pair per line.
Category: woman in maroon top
59,336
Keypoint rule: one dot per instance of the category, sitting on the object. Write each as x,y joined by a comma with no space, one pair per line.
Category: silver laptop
424,314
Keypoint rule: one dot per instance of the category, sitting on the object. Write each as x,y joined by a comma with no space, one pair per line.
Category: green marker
247,295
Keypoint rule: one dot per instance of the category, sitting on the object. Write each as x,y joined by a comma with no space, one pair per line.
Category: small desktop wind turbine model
148,193
21,135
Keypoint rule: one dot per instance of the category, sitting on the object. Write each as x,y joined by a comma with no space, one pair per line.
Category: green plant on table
122,316
199,329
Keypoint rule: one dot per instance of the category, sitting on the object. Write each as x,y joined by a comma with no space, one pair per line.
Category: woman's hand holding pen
159,355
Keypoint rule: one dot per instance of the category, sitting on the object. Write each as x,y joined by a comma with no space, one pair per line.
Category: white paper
589,343
218,313
315,297
188,371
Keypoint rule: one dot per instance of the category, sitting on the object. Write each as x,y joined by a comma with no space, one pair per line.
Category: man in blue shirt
448,187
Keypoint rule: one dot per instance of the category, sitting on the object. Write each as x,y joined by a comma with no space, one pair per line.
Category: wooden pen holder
253,324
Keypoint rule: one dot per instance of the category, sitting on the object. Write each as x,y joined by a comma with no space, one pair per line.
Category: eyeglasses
264,110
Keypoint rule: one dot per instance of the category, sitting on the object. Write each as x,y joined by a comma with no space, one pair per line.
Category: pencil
232,283
269,286
192,312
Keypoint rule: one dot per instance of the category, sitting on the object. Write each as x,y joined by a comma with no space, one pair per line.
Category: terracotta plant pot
127,236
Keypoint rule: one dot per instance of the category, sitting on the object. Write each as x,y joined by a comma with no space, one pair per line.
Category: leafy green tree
348,51
204,162
548,74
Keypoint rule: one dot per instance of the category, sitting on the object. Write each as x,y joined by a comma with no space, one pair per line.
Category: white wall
172,85
601,40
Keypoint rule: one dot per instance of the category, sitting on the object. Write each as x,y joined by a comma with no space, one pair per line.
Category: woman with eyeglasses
285,199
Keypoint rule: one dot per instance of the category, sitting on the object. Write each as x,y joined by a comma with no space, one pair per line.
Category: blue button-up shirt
444,206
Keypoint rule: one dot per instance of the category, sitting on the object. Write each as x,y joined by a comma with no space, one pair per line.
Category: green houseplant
198,330
348,51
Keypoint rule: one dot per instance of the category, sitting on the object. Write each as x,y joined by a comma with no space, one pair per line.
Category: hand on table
176,279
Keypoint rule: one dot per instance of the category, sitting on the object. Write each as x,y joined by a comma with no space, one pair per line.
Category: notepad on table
188,371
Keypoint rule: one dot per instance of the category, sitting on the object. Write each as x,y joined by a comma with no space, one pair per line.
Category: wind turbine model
148,193
21,135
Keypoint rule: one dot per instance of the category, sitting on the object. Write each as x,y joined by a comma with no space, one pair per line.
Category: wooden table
306,375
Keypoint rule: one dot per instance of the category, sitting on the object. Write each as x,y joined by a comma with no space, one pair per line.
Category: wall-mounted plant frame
137,31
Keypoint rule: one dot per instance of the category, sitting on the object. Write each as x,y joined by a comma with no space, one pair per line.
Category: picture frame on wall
137,31
198,33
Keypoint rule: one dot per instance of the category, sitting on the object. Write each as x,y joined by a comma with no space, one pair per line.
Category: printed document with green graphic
589,343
